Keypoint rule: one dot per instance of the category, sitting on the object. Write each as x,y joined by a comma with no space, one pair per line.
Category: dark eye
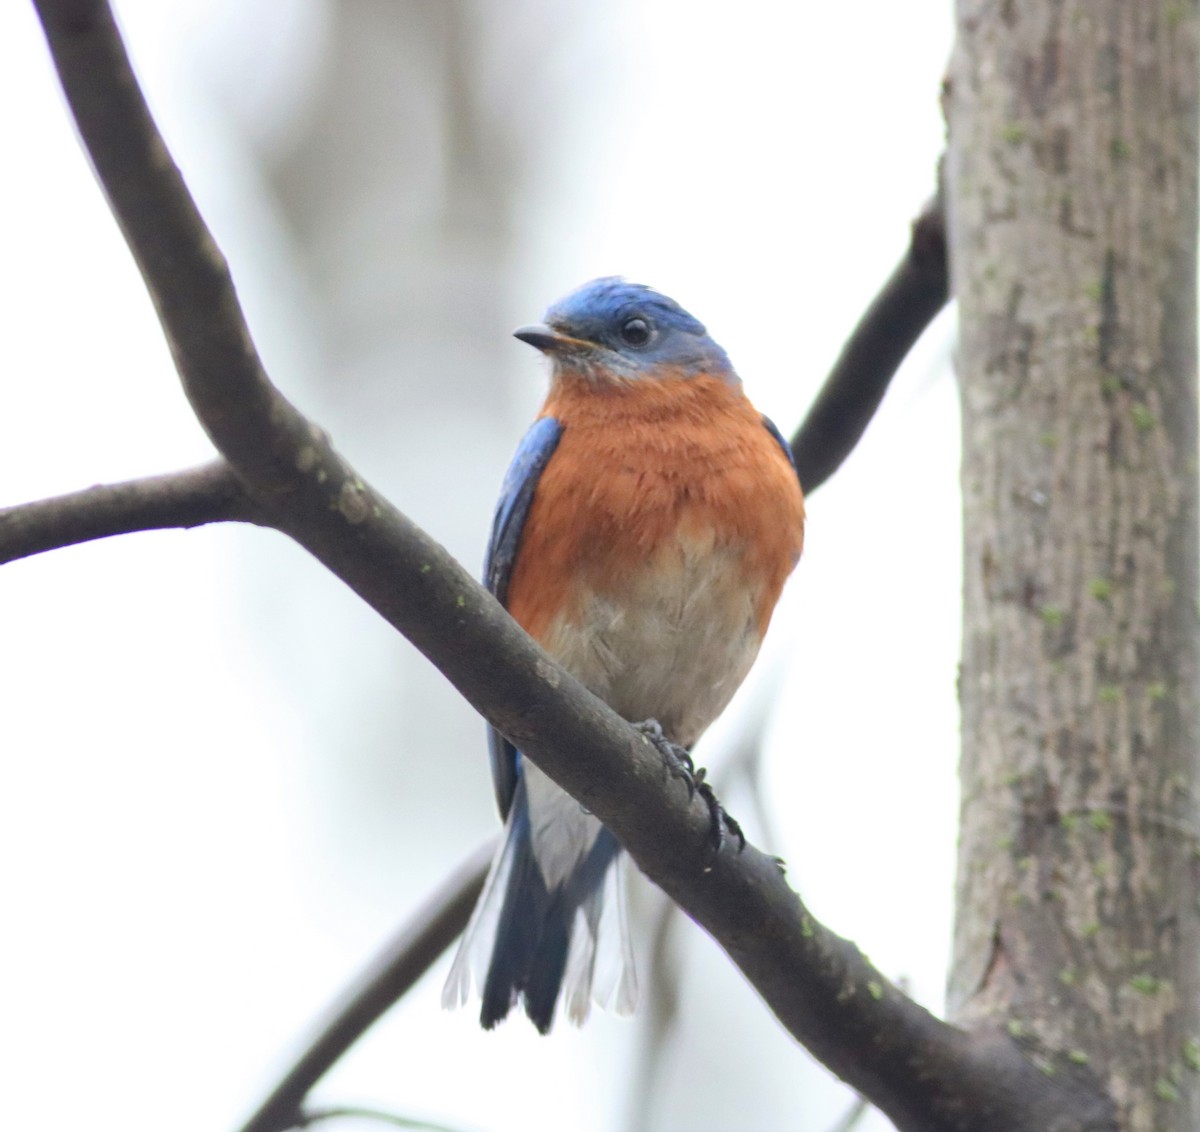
635,332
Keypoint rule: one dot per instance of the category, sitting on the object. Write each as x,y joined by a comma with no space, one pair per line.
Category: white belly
673,646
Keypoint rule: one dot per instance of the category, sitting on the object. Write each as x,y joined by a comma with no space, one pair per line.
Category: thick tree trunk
1073,229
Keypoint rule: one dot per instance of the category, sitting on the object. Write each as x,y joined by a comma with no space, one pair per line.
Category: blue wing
516,497
787,448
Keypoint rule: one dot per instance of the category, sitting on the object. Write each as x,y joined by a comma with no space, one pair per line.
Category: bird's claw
719,821
676,758
679,764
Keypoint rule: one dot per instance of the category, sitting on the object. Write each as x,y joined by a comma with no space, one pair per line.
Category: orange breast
640,466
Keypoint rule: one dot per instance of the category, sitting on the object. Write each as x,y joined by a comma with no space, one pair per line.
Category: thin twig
357,1112
854,1115
906,304
191,498
415,948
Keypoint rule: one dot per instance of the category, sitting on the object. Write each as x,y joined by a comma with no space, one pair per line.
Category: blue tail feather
533,933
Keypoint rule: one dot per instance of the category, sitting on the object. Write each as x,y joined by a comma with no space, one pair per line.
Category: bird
644,532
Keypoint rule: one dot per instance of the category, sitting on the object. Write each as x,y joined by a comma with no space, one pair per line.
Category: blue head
610,330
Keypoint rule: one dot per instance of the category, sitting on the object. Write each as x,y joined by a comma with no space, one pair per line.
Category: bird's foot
676,758
719,821
679,764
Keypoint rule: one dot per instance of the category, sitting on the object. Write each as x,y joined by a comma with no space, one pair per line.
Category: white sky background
181,896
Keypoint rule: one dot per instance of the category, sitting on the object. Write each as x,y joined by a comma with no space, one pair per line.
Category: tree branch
907,303
208,494
924,1073
416,947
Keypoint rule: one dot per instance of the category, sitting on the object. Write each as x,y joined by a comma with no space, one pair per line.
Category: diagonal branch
813,449
208,494
907,303
924,1073
401,963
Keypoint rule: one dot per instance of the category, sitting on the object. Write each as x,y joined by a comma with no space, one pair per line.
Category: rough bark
1072,220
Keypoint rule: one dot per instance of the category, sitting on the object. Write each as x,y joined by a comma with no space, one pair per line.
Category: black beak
549,341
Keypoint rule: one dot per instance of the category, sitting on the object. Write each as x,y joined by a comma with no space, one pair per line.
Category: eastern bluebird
643,535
